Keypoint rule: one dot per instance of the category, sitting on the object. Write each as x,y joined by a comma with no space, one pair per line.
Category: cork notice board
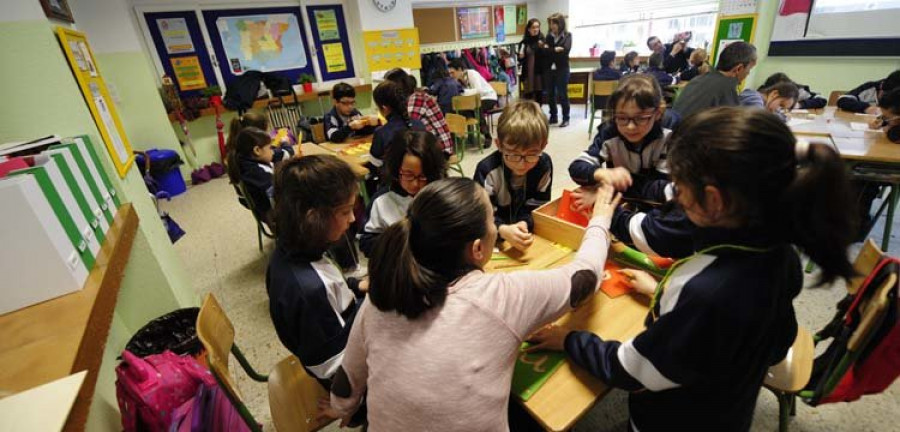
440,22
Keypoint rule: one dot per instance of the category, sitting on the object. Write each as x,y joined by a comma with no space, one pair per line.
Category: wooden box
552,228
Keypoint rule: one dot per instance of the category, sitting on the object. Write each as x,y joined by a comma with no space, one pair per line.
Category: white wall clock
385,5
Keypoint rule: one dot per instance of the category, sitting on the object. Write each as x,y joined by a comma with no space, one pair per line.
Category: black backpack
240,93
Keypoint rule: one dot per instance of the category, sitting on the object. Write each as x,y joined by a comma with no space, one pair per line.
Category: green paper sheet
533,370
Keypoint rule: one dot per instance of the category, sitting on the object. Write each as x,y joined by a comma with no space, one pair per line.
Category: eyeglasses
642,120
410,177
520,157
345,102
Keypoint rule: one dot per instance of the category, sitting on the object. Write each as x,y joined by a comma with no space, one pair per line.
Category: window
625,25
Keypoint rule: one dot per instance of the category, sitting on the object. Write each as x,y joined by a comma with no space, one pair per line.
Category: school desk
59,337
869,155
355,163
571,391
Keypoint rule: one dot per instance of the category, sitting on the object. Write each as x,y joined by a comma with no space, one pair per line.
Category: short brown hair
643,89
522,124
307,191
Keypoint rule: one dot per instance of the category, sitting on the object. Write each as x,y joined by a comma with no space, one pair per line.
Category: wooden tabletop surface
854,145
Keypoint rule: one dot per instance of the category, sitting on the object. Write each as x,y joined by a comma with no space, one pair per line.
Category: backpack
150,389
241,93
208,411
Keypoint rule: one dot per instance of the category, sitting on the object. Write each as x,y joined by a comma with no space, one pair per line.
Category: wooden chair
787,378
294,397
833,97
470,103
599,89
261,228
459,130
216,333
502,90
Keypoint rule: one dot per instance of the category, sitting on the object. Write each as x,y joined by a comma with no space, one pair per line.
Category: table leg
893,197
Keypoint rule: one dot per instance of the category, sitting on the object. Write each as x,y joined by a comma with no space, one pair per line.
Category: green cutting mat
533,370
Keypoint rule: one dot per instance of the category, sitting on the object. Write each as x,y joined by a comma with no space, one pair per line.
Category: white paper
43,408
793,122
111,129
86,53
175,35
862,127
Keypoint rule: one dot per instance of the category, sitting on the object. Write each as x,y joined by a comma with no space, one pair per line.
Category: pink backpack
209,410
150,389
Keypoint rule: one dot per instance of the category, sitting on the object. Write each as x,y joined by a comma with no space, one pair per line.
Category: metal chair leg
784,410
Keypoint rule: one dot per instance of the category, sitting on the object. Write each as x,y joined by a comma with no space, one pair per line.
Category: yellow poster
576,91
388,49
188,73
327,24
334,57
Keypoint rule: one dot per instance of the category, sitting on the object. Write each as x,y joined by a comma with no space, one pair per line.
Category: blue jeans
558,91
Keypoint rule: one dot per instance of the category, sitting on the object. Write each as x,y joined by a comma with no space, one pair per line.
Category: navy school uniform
257,179
725,316
388,207
337,127
606,74
312,308
665,231
514,205
385,134
662,77
646,163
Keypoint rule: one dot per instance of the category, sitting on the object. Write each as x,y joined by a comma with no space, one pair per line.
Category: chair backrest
604,88
873,313
456,123
500,87
466,103
833,97
216,333
792,373
294,397
318,133
868,258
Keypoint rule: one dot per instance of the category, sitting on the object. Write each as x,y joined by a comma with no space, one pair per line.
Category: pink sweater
451,368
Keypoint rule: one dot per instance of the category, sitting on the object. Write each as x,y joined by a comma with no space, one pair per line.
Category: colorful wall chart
188,73
388,49
474,22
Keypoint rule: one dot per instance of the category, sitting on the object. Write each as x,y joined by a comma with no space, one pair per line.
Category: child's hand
517,235
357,124
640,281
558,49
373,120
875,123
550,337
583,200
326,412
364,285
607,201
618,177
873,110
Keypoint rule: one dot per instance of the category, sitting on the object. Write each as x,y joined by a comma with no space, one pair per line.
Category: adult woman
532,53
559,43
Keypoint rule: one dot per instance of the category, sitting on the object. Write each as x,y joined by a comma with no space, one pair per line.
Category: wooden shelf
56,338
262,103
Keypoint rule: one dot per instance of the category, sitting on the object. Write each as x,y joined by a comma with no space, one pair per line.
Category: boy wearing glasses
344,120
518,176
633,160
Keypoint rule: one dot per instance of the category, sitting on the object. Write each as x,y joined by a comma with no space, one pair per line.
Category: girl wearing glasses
414,160
634,159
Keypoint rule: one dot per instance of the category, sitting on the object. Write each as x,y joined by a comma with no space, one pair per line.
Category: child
251,161
429,293
344,120
699,65
890,114
414,161
444,88
391,102
635,157
311,304
806,98
606,72
777,99
720,319
471,79
519,175
864,99
656,70
423,107
631,63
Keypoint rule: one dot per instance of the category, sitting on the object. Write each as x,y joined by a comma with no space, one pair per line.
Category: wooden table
56,338
571,391
870,156
357,163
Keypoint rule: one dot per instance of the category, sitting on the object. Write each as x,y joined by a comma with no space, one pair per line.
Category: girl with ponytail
721,317
391,100
434,346
251,160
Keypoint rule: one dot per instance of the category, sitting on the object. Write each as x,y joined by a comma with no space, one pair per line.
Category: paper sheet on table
862,127
851,146
43,408
793,122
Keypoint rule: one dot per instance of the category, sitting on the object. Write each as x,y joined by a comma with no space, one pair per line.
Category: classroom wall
822,74
42,97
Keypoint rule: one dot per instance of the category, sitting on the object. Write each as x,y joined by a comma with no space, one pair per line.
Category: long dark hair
307,191
421,144
393,96
800,197
785,89
416,259
242,144
249,119
528,39
406,81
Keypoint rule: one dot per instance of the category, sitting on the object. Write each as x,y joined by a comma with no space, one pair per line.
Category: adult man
719,87
676,55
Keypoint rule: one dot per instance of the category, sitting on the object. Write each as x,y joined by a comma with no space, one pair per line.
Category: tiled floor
220,252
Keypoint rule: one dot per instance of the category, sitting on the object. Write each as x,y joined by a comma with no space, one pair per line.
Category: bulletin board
733,28
84,67
388,49
329,31
440,22
474,22
181,50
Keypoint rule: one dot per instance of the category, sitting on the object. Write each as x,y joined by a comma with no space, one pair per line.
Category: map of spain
262,42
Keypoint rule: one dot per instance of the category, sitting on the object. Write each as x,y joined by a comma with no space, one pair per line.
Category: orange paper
566,213
614,283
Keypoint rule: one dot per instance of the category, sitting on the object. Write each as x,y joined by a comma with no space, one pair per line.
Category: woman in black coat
559,43
532,53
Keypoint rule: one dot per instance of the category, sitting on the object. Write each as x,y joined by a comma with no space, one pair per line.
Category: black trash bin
175,331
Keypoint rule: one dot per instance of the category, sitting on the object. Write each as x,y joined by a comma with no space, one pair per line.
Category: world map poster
265,43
